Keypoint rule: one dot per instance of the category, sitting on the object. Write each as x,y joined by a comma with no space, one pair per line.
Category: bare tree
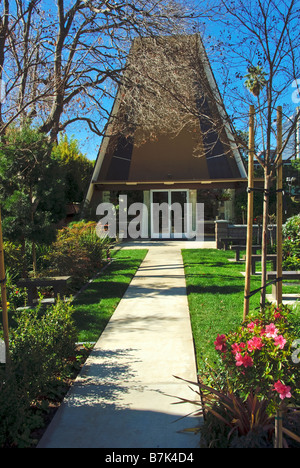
261,35
21,63
61,61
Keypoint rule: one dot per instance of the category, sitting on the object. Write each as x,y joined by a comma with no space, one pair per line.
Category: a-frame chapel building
196,160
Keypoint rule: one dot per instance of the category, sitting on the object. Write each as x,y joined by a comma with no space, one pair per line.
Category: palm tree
256,80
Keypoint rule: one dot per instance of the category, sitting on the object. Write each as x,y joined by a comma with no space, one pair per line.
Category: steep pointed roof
178,131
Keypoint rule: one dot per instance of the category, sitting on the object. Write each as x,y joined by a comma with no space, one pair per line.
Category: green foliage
77,252
40,346
40,343
14,258
291,205
296,164
16,297
256,79
76,167
241,206
291,244
43,347
31,187
258,357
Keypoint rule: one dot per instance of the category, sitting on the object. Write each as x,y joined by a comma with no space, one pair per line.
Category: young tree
261,37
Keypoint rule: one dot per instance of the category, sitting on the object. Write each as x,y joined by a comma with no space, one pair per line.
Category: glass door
178,214
160,223
169,214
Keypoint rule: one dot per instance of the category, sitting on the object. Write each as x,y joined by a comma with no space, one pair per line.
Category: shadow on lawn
93,325
106,289
208,264
214,289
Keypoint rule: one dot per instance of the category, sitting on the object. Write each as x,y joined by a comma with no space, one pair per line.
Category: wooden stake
3,293
249,213
279,206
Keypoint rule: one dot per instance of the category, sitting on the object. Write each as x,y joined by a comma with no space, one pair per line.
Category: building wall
221,208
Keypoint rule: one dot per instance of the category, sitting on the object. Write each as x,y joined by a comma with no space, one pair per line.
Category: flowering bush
16,297
258,357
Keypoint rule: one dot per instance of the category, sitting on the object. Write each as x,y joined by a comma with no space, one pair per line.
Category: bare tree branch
57,55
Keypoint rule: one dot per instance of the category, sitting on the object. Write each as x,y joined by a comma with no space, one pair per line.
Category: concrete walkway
125,394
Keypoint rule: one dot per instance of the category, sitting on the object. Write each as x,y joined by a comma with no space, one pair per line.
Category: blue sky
89,142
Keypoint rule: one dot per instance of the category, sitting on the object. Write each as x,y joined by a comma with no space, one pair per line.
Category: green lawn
95,305
215,290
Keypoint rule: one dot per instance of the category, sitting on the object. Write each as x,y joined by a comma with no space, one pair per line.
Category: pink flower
220,343
280,341
239,359
271,331
237,347
251,326
277,314
255,343
245,361
283,390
